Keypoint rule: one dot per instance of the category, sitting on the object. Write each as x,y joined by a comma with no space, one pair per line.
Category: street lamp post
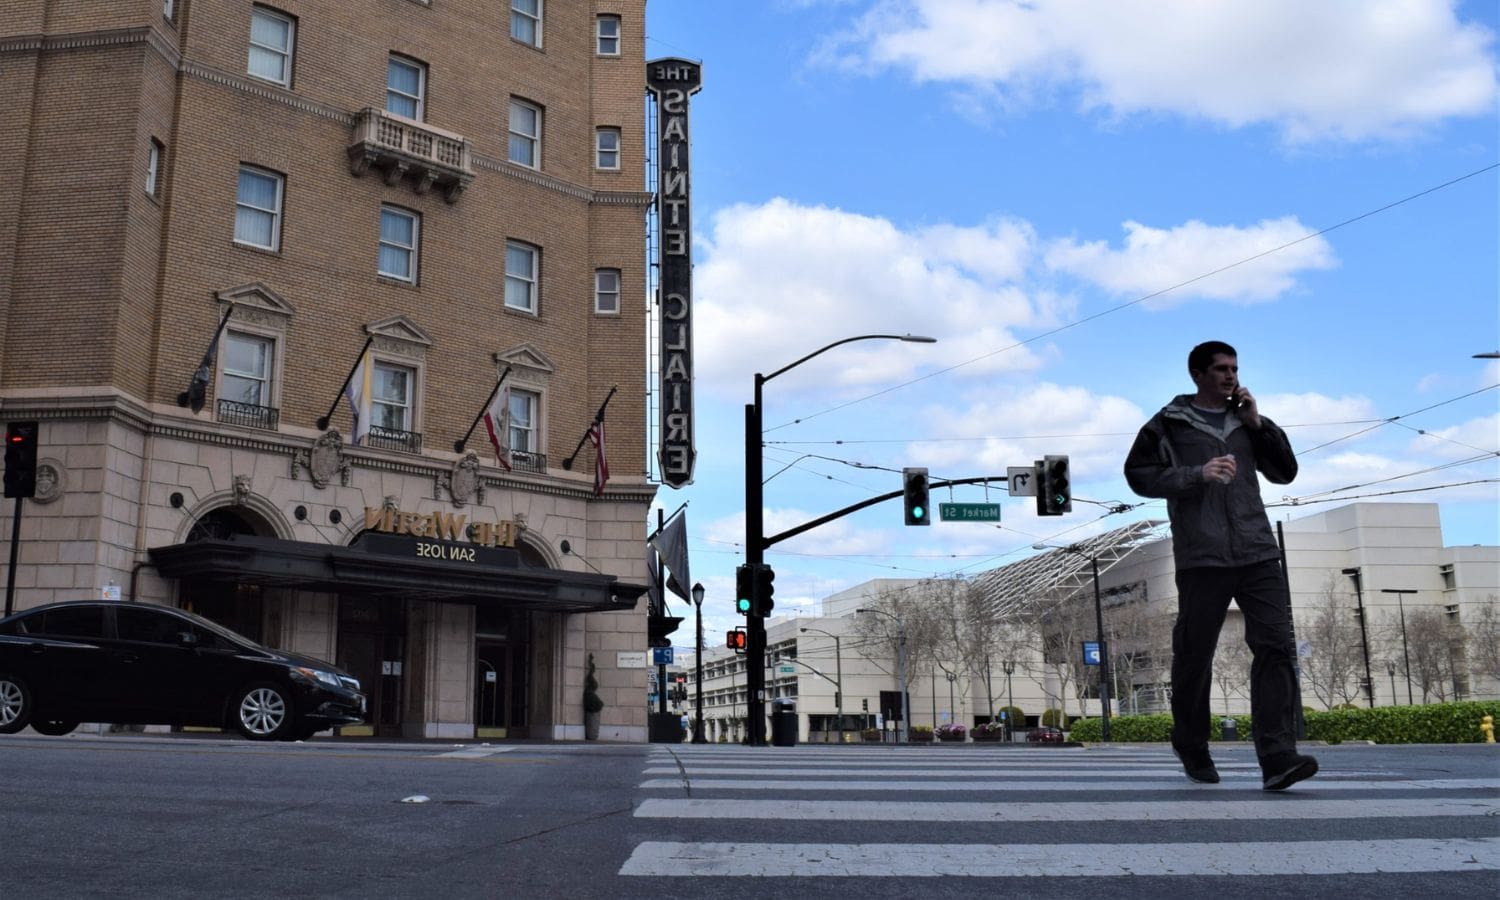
1364,638
698,737
952,707
1010,698
1093,559
1405,656
900,669
838,671
755,547
1390,669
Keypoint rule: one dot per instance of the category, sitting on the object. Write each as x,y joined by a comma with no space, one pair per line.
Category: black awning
246,559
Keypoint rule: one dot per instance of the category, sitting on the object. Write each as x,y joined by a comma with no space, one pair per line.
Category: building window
523,418
525,134
607,291
271,38
405,88
390,397
153,168
247,369
607,30
520,276
607,148
526,21
1446,572
257,209
168,9
399,232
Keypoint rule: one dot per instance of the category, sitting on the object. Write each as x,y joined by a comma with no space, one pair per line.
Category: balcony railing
394,439
522,461
400,147
232,412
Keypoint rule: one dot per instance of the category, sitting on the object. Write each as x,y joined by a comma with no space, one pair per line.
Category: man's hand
1248,412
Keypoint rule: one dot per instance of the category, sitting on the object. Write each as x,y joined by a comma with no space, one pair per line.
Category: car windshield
216,628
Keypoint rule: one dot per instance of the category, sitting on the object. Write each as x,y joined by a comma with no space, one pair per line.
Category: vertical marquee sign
673,81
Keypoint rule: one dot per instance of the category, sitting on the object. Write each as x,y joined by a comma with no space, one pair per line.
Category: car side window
148,626
81,621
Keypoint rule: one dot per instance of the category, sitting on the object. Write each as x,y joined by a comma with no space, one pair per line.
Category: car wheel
16,705
54,728
263,712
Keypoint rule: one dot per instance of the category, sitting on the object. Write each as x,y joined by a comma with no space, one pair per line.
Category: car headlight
319,675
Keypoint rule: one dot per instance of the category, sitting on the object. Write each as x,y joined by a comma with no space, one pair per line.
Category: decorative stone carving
241,489
324,460
50,481
464,483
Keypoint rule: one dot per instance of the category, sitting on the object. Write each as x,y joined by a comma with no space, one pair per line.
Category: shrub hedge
1438,723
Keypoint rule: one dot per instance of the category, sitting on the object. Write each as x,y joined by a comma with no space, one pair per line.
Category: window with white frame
272,35
607,291
525,133
526,21
168,9
247,369
523,421
521,275
400,230
406,88
607,31
607,148
257,208
391,397
153,168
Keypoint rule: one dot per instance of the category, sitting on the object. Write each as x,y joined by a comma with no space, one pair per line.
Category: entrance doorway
372,648
501,664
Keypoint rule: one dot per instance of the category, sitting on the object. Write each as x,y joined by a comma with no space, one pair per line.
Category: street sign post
969,512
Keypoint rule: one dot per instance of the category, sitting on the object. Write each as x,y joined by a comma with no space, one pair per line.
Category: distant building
460,186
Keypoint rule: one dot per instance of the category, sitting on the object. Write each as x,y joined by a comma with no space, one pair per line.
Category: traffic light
20,459
914,494
764,589
742,587
735,640
1054,495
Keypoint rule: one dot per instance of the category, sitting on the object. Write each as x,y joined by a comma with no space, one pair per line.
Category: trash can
1231,729
784,722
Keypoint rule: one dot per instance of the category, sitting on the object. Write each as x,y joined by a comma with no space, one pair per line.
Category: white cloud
1336,69
1153,259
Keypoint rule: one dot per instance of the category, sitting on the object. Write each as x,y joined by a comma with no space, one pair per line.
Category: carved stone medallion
464,483
324,460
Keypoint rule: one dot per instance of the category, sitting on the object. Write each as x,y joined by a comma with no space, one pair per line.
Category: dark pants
1203,596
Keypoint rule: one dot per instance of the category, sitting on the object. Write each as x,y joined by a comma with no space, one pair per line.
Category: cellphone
1233,401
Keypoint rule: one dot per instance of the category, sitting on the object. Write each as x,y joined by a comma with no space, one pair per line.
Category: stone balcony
401,148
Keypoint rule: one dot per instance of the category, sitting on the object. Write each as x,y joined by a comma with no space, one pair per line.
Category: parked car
1047,734
140,663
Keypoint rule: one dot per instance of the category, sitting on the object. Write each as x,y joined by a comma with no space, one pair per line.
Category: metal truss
1058,576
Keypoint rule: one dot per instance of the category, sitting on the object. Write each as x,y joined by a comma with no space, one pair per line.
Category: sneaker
1198,765
1283,770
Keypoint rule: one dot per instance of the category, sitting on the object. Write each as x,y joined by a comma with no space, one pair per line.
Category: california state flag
497,423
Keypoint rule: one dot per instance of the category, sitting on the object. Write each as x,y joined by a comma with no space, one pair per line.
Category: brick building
456,185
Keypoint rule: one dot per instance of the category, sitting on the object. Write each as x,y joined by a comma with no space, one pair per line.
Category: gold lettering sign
443,526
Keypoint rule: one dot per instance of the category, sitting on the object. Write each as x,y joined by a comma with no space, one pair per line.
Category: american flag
601,466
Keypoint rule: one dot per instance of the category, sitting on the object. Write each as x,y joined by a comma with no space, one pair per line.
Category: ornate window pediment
526,357
257,303
401,336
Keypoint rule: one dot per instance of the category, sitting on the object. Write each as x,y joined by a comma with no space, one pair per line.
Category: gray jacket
1213,524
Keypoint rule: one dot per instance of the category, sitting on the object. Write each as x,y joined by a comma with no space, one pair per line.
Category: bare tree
1335,669
1437,652
1232,660
1064,626
907,611
1137,637
1483,630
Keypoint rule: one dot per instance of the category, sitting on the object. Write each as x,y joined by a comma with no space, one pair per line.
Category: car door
179,672
65,661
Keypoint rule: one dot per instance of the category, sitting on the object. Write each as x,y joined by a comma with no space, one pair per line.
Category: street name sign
969,512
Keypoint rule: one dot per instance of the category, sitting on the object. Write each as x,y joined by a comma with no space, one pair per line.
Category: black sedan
145,664
1047,734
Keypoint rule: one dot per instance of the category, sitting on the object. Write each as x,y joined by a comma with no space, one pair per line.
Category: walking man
1201,453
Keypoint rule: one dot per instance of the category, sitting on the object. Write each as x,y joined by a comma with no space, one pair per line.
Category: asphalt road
133,815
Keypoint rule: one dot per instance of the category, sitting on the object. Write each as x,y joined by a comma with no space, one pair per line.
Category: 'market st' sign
673,81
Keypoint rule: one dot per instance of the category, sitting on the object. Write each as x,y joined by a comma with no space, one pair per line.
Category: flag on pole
671,543
357,391
497,423
197,393
601,466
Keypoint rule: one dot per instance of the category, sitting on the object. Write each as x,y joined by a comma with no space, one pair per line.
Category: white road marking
657,858
1285,806
1141,783
473,752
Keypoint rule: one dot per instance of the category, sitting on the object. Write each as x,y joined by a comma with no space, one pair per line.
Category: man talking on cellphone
1201,453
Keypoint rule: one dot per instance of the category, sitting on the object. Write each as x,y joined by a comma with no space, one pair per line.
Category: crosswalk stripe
657,858
1142,783
852,768
1289,806
472,752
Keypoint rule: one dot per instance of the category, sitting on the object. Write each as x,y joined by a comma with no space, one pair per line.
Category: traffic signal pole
755,552
15,545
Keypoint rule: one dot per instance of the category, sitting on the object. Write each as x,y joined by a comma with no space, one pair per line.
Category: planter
916,738
591,726
981,737
875,738
951,738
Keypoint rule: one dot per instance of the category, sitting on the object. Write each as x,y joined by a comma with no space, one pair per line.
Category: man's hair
1202,356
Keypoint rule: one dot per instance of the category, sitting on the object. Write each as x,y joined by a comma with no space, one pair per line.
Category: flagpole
668,519
184,398
458,445
323,422
598,417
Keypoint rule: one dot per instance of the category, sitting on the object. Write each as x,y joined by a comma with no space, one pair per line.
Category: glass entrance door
371,647
491,697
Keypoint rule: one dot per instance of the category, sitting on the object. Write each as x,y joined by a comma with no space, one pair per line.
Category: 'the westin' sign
673,81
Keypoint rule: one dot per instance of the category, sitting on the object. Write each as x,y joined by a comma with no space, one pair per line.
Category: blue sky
1022,182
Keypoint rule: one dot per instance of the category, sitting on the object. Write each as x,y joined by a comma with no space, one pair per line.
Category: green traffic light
918,512
742,605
